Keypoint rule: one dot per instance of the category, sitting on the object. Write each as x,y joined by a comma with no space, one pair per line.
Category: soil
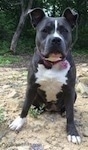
48,131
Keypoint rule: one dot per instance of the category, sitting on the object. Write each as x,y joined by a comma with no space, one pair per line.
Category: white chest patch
52,80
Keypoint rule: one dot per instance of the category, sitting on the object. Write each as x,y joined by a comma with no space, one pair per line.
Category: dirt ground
47,132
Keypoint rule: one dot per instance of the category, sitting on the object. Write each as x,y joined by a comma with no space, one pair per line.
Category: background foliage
10,11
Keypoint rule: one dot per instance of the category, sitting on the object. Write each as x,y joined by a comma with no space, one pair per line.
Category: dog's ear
71,16
36,16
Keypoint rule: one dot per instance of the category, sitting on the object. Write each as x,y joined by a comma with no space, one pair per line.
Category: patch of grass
8,59
35,112
4,47
1,115
80,52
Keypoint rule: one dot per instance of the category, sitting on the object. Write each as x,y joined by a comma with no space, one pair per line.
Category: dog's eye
46,30
63,29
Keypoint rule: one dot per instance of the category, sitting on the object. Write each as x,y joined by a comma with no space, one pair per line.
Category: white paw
17,123
74,139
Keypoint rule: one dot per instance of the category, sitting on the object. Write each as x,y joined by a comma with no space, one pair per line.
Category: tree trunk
17,33
19,27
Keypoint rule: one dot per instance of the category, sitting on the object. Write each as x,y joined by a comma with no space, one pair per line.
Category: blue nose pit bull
51,78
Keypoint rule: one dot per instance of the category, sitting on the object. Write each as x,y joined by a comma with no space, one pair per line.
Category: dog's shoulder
34,60
33,65
72,72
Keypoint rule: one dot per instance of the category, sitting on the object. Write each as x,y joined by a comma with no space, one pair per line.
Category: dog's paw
17,123
74,139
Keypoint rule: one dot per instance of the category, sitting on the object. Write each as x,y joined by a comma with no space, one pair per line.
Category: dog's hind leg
39,103
75,97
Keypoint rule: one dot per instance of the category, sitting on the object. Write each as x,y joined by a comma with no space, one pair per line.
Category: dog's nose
56,40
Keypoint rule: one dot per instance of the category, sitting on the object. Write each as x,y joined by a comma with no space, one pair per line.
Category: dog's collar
48,64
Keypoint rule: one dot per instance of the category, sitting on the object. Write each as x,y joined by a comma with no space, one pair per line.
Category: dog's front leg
20,120
72,132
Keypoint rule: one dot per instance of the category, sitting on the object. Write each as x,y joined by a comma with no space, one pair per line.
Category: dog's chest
51,80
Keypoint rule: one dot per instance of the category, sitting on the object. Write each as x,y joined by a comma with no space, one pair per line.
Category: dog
52,74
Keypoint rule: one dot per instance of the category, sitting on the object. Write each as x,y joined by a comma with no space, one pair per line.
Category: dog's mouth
53,58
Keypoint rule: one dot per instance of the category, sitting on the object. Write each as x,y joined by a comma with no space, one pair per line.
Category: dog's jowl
52,73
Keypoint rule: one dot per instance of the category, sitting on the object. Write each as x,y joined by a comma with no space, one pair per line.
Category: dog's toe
17,123
74,139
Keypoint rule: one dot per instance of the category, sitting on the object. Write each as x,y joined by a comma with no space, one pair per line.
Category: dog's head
53,34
